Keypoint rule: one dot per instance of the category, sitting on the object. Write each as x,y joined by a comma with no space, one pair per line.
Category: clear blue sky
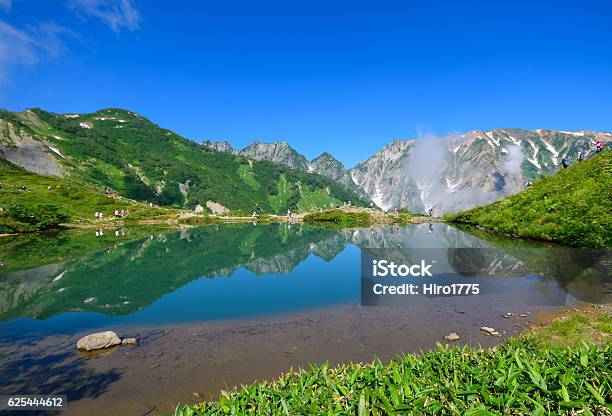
340,76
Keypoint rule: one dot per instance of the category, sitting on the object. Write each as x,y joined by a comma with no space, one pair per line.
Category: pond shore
186,218
571,341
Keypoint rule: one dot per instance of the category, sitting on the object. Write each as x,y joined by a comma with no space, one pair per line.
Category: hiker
580,156
97,215
430,210
395,211
600,148
49,188
289,213
564,163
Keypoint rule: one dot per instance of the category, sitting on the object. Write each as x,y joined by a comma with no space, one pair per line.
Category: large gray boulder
98,341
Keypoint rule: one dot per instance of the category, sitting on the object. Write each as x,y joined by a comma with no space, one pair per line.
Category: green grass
571,331
518,377
340,218
279,201
248,177
317,198
571,207
68,201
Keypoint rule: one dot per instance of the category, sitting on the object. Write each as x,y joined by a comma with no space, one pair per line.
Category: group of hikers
110,194
599,147
119,213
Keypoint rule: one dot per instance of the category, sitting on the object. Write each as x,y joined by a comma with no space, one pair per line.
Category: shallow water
220,305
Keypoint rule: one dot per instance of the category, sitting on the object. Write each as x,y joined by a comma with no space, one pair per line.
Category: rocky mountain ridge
446,173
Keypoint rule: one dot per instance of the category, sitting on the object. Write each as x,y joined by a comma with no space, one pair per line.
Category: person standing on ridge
580,156
564,163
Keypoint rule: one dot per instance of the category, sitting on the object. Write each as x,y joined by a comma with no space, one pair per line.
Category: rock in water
453,336
98,341
129,341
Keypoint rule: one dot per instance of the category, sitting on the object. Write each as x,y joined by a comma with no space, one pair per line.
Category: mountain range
124,153
128,154
447,173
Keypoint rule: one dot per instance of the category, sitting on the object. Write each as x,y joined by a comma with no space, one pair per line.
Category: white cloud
27,46
5,5
117,14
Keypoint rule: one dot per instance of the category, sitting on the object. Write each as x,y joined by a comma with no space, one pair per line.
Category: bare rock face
98,341
279,152
458,172
222,146
216,208
22,150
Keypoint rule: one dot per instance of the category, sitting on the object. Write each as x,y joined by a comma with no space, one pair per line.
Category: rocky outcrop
329,166
216,208
279,152
221,146
19,148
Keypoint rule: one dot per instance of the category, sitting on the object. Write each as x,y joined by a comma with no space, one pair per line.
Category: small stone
523,315
453,336
98,341
147,410
129,341
487,329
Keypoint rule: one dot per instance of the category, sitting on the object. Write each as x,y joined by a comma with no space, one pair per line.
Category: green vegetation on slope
347,216
339,218
137,159
518,377
572,207
48,202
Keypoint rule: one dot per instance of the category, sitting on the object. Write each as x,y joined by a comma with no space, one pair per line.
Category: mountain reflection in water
77,280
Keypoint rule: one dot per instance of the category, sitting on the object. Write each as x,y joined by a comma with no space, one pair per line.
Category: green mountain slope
134,157
31,202
572,207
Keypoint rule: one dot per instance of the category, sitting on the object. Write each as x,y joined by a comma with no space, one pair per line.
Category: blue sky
340,76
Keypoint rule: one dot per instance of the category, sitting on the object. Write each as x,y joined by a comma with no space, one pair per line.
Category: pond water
220,305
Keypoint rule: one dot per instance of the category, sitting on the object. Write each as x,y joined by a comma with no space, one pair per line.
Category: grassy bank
31,202
571,207
340,218
532,374
354,217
